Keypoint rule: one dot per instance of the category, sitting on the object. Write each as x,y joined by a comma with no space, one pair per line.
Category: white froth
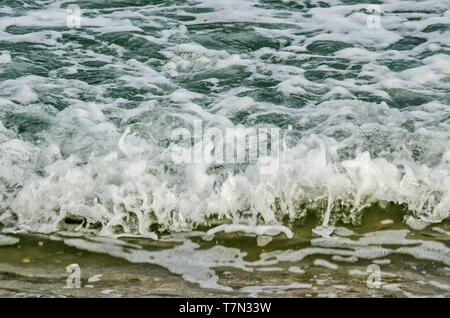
350,259
95,278
296,270
178,260
349,153
270,230
372,246
5,58
442,231
6,240
263,240
439,285
384,261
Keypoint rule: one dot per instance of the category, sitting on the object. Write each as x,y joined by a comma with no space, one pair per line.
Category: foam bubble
178,260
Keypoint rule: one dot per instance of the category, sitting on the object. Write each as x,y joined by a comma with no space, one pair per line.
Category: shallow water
409,263
358,98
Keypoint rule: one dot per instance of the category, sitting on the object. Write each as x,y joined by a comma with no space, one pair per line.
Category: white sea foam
270,230
439,285
5,58
372,246
350,259
6,240
384,261
296,270
255,290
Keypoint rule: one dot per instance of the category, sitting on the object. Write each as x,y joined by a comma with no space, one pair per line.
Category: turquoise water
91,93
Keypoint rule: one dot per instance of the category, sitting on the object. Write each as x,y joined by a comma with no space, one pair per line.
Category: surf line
207,309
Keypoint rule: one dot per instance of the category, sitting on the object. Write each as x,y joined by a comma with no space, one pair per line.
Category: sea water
92,92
